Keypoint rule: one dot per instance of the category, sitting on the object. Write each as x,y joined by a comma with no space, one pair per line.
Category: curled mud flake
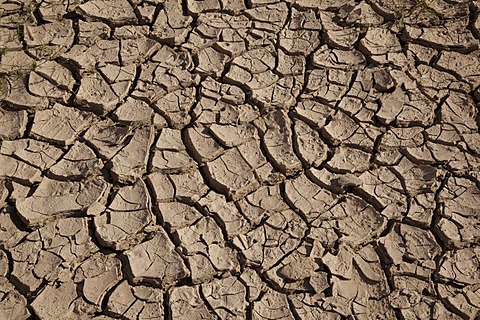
61,124
209,111
461,64
40,86
184,187
91,32
412,297
340,265
360,15
49,252
87,56
211,62
452,35
379,41
341,38
421,53
290,65
189,187
421,209
272,305
280,95
458,226
57,34
459,110
349,160
202,145
408,109
302,33
417,178
357,279
53,11
133,112
171,26
168,71
9,39
14,91
135,302
402,138
107,138
297,272
177,215
100,96
254,284
254,68
13,305
122,224
78,163
335,182
310,199
313,112
96,276
206,251
357,222
264,246
155,262
130,163
235,183
176,106
56,302
10,234
18,170
170,154
463,301
219,91
136,48
436,84
231,219
270,17
16,61
384,190
226,297
308,145
39,154
225,33
262,203
410,251
328,85
196,6
12,123
186,303
120,13
461,266
163,188
231,136
278,141
53,199
338,59
307,306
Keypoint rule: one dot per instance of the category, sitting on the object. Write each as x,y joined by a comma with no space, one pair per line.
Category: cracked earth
222,159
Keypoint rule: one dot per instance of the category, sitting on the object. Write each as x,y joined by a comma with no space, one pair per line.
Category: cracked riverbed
224,159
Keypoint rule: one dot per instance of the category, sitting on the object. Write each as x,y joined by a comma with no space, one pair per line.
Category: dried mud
224,159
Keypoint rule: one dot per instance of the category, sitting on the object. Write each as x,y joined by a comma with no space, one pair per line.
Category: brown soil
229,159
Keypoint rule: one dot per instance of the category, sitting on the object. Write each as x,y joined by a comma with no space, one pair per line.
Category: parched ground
230,159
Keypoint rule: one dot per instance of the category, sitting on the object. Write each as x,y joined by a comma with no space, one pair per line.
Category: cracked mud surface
224,159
